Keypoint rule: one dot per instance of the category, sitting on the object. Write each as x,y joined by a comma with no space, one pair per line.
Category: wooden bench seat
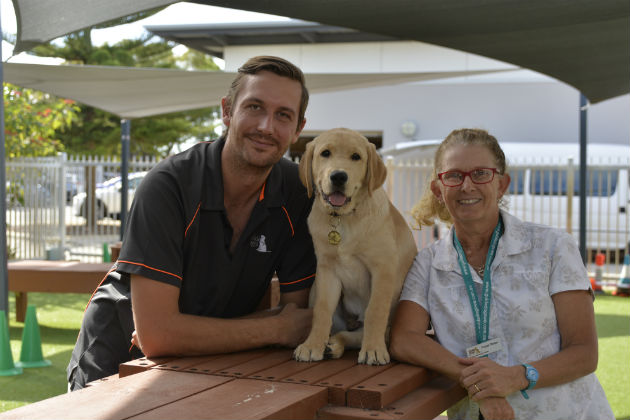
52,277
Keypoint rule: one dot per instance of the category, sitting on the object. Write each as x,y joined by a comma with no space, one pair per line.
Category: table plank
220,363
246,399
426,402
258,364
184,363
387,387
318,371
140,365
102,380
119,399
338,384
283,370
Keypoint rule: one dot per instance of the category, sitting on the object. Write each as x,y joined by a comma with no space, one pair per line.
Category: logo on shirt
259,242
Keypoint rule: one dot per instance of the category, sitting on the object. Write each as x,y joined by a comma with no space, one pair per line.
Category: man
207,230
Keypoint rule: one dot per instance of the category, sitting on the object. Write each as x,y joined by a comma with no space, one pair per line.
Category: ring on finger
476,387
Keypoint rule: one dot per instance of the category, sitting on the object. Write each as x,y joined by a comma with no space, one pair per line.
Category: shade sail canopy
584,43
41,21
140,92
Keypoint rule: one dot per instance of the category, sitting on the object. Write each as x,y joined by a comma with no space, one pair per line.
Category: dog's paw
377,356
308,353
334,348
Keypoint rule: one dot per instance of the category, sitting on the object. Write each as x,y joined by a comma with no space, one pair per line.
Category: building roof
212,38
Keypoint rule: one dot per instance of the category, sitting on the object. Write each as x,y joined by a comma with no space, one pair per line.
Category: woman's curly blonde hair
428,208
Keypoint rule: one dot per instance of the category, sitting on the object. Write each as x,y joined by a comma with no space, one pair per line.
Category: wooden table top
256,384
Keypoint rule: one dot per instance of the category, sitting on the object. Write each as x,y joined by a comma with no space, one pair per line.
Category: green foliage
34,122
98,132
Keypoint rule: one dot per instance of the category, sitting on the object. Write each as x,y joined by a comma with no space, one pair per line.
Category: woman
495,286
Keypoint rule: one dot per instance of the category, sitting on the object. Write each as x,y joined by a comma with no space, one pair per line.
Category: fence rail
55,205
66,207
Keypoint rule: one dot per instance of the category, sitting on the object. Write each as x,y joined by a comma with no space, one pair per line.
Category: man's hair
276,65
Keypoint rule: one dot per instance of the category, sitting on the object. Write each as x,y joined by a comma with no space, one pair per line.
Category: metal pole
4,252
63,158
583,179
125,134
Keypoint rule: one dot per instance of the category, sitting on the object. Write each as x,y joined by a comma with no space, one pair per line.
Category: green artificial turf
60,315
59,318
612,315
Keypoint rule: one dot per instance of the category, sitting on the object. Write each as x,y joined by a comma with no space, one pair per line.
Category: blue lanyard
481,311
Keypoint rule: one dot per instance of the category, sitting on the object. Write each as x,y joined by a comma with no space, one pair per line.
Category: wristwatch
531,374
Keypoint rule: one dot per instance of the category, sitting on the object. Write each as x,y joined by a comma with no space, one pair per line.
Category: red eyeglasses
477,176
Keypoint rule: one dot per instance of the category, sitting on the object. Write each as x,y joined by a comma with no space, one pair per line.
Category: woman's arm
410,343
577,356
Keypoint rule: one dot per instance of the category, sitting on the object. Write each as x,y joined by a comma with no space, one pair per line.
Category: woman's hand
496,408
484,378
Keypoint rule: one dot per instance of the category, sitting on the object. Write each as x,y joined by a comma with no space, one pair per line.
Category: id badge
483,349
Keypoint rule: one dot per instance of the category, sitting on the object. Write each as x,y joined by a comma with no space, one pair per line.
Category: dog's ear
376,170
306,168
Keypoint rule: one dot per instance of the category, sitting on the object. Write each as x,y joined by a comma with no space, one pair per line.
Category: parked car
107,197
72,186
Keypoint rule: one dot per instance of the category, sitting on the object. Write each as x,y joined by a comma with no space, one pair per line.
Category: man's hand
295,325
135,340
496,408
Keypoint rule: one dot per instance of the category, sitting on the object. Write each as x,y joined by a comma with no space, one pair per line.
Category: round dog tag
334,237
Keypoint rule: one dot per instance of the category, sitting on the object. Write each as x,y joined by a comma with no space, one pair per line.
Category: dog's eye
325,153
356,156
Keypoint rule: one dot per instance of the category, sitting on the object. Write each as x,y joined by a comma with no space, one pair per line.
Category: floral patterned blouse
532,263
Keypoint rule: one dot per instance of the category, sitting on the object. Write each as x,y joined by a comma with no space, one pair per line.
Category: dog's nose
338,178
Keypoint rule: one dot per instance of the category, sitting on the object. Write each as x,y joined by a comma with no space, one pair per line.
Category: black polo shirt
178,233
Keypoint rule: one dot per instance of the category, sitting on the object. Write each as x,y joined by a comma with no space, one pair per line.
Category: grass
60,315
612,315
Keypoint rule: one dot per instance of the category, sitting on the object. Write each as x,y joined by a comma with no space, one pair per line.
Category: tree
35,121
98,132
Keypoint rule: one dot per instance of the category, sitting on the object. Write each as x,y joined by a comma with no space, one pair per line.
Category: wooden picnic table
52,277
256,384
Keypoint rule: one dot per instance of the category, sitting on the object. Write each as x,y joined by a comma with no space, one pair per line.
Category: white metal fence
57,207
543,193
66,207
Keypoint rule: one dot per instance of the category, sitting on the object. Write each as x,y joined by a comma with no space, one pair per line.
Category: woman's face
470,202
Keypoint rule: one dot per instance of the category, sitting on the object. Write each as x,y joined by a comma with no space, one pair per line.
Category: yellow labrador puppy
363,245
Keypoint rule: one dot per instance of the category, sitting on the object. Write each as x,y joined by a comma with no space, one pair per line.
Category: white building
514,104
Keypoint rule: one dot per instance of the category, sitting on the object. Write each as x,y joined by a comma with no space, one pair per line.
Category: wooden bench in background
75,277
52,277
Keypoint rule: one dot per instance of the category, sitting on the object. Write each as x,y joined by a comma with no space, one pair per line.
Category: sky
175,14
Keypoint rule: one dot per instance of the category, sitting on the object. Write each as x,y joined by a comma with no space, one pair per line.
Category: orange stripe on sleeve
297,281
193,219
151,268
99,285
289,219
261,197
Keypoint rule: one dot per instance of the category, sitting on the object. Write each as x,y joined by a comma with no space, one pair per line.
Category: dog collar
334,237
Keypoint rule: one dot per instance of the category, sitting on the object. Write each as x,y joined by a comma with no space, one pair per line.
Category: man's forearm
193,335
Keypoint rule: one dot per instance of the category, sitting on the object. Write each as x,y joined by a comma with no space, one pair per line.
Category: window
600,183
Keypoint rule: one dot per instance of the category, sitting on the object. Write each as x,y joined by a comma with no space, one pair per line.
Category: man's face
263,120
